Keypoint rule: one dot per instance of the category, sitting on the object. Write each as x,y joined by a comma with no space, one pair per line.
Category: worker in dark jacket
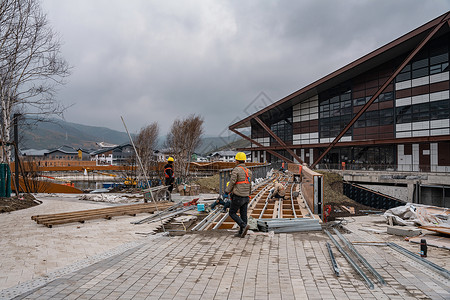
169,174
240,188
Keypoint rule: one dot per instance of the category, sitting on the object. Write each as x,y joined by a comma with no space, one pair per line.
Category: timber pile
100,213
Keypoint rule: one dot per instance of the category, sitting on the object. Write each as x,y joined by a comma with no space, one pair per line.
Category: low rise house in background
118,155
67,153
227,156
162,155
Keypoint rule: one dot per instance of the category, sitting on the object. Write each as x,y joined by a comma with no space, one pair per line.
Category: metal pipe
221,221
205,219
216,214
350,260
360,257
292,200
142,167
177,212
423,261
333,260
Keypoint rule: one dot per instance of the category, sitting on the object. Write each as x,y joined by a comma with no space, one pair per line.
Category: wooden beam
283,144
260,145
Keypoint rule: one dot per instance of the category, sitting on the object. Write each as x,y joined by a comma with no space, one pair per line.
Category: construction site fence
258,171
369,197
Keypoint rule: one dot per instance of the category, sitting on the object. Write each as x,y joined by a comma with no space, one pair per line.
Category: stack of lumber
100,213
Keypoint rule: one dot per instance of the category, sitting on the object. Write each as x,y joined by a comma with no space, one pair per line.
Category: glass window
403,77
346,111
347,103
325,114
334,99
439,59
406,69
345,97
419,73
386,120
420,64
439,110
359,101
423,107
360,123
435,69
372,122
372,114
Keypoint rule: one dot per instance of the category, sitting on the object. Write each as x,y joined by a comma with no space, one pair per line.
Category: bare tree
146,142
184,136
30,64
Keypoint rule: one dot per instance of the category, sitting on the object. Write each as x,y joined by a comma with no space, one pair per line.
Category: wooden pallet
100,213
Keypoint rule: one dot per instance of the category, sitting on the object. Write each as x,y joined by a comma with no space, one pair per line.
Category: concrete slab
404,230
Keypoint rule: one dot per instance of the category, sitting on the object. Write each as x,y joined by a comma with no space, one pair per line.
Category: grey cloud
158,60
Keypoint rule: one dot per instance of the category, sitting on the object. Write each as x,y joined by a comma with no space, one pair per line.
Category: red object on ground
326,212
192,202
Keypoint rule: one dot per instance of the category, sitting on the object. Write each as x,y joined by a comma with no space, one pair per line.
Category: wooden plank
80,216
100,214
101,209
131,210
439,229
349,209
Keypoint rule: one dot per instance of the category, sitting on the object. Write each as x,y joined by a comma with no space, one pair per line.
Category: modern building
388,110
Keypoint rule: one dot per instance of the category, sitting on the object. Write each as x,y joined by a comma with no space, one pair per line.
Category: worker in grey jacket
240,188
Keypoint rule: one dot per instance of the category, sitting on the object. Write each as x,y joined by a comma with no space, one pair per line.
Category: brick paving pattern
220,266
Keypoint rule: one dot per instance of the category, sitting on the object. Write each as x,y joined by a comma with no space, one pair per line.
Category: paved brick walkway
220,266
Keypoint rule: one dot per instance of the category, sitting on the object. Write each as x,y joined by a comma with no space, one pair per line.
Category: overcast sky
160,60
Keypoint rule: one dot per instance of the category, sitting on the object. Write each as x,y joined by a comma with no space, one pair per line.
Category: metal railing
384,167
257,172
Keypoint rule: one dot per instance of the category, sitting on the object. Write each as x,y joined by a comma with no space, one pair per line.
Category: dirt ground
14,203
341,204
208,184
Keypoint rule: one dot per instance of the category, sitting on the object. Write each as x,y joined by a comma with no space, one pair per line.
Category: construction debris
417,215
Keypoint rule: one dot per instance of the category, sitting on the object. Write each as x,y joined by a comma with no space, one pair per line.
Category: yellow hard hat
241,156
170,159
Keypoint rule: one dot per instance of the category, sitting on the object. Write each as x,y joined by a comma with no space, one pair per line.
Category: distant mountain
56,132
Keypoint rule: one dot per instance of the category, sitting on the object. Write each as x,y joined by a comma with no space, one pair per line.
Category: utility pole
16,152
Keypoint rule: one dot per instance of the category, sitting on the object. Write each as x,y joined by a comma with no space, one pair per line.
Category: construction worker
225,201
169,174
278,191
240,188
